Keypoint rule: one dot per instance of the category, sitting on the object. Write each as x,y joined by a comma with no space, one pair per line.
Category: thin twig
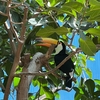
10,21
17,22
17,5
72,38
1,13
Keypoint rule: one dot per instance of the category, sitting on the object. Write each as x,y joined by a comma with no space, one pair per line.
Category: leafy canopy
59,19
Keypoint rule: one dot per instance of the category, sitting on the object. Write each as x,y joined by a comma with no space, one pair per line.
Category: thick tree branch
17,56
52,70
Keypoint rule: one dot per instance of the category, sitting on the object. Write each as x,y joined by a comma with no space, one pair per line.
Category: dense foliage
62,20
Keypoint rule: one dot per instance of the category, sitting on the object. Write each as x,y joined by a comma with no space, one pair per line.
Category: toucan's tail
68,82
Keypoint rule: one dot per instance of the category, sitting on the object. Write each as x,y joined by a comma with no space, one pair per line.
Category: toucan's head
60,47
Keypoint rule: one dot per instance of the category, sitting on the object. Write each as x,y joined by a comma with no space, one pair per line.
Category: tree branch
17,56
52,70
10,21
10,34
1,13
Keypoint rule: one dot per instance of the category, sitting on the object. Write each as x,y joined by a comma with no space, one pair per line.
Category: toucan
59,55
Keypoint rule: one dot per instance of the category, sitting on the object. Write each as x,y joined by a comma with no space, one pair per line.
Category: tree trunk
34,66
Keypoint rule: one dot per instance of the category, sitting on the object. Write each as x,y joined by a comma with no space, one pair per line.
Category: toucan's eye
59,42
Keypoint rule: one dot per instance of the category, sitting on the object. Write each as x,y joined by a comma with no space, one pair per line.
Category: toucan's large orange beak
46,41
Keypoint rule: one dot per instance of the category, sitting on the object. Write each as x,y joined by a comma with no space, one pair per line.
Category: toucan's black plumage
68,66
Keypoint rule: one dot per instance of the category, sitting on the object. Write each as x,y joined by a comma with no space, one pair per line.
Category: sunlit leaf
87,46
35,83
93,13
81,1
94,2
74,6
47,92
31,96
91,58
57,95
54,2
94,31
88,72
40,2
97,81
16,81
78,70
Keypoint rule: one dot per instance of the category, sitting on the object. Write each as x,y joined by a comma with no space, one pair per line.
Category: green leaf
54,2
16,17
47,31
94,2
47,92
97,81
66,10
40,2
35,82
53,79
78,70
94,31
97,93
42,81
88,72
94,13
91,58
61,30
96,18
81,1
90,85
57,95
77,94
77,6
16,81
78,90
87,46
31,96
8,66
